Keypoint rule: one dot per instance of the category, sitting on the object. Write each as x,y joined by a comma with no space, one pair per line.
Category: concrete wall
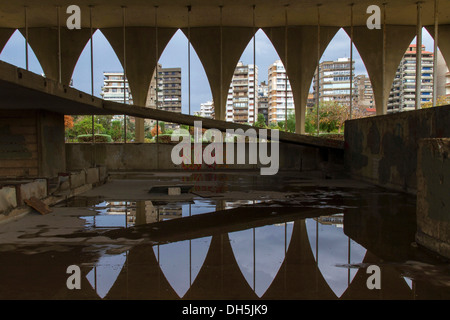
31,144
151,156
383,149
18,144
433,197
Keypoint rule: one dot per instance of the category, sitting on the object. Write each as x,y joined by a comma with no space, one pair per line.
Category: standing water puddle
315,243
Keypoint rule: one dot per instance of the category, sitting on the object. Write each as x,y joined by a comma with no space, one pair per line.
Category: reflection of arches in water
393,285
181,261
141,277
259,253
103,276
220,276
298,276
331,247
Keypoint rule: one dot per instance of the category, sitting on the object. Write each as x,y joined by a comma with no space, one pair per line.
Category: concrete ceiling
174,13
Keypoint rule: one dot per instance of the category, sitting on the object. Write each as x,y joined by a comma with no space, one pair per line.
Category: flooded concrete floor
231,236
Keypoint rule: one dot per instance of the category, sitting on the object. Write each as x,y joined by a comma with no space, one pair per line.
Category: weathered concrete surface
8,198
50,191
36,188
77,179
31,144
383,149
151,156
433,198
51,144
92,175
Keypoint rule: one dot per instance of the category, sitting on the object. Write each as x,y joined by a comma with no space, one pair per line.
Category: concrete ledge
433,201
8,198
37,189
92,175
433,244
14,192
77,179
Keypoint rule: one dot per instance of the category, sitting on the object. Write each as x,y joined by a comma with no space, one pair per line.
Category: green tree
116,131
440,101
84,126
332,116
291,122
260,121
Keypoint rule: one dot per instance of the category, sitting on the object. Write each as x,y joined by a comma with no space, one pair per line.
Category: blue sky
175,55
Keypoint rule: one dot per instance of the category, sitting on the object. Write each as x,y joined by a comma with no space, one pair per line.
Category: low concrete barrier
13,193
383,149
157,157
433,195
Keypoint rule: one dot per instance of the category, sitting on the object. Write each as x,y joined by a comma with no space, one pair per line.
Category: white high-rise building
278,94
206,110
403,92
242,103
113,88
334,81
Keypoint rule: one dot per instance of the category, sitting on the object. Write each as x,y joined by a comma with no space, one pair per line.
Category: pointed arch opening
257,94
14,52
345,88
332,248
402,96
260,253
184,86
107,75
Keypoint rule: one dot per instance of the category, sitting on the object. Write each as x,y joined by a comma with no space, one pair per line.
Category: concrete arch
44,42
443,40
206,42
299,276
392,284
5,34
369,44
220,276
140,43
138,282
302,60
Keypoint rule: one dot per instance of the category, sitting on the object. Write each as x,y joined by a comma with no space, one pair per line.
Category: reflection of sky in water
270,243
182,261
334,251
105,273
259,252
198,207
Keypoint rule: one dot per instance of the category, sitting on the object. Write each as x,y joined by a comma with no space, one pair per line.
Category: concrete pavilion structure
219,31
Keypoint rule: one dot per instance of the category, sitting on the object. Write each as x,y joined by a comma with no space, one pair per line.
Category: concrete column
302,56
44,42
444,40
206,42
5,34
141,60
369,44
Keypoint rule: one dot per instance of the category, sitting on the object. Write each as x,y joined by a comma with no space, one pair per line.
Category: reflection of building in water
134,213
147,212
337,220
237,203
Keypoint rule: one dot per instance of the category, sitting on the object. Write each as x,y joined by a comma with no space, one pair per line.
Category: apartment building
242,102
334,80
279,94
113,88
166,93
206,110
363,98
403,92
